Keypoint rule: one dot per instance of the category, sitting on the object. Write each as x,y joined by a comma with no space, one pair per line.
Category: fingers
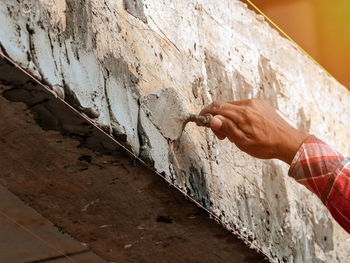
228,110
224,127
213,107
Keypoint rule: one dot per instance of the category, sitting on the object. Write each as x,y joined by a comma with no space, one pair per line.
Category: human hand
256,128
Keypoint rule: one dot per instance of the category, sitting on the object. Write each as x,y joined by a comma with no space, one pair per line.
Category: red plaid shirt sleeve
326,173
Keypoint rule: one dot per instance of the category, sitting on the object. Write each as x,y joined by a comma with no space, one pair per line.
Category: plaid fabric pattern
326,173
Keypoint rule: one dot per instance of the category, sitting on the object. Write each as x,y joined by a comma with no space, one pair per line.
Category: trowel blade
165,110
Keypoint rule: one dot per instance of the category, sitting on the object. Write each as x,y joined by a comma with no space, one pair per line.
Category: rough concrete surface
101,56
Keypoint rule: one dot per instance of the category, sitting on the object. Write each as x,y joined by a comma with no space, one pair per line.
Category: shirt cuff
314,166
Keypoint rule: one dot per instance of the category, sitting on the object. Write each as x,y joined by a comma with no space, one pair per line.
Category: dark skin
256,128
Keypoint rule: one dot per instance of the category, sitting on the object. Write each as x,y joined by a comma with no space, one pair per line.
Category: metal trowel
165,110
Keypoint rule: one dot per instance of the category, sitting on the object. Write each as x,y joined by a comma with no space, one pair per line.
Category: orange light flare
320,27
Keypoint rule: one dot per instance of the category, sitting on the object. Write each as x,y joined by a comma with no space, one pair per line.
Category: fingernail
216,123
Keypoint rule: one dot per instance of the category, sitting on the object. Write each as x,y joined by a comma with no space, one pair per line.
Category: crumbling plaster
101,56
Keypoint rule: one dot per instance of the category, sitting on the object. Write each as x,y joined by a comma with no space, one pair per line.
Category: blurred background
321,27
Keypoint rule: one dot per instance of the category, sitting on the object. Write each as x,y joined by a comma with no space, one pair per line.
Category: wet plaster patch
166,111
122,98
154,147
161,120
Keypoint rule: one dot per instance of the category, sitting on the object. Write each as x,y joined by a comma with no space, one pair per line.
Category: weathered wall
101,56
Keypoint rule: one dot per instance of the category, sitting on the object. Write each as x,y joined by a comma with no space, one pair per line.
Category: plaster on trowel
165,110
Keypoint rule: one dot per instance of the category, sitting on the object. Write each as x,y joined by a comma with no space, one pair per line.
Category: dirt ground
121,210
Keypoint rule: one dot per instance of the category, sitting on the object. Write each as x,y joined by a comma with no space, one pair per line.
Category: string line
170,183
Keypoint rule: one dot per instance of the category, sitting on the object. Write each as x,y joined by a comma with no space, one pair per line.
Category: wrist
291,144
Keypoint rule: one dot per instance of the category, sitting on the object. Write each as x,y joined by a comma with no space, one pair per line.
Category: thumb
225,126
216,123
